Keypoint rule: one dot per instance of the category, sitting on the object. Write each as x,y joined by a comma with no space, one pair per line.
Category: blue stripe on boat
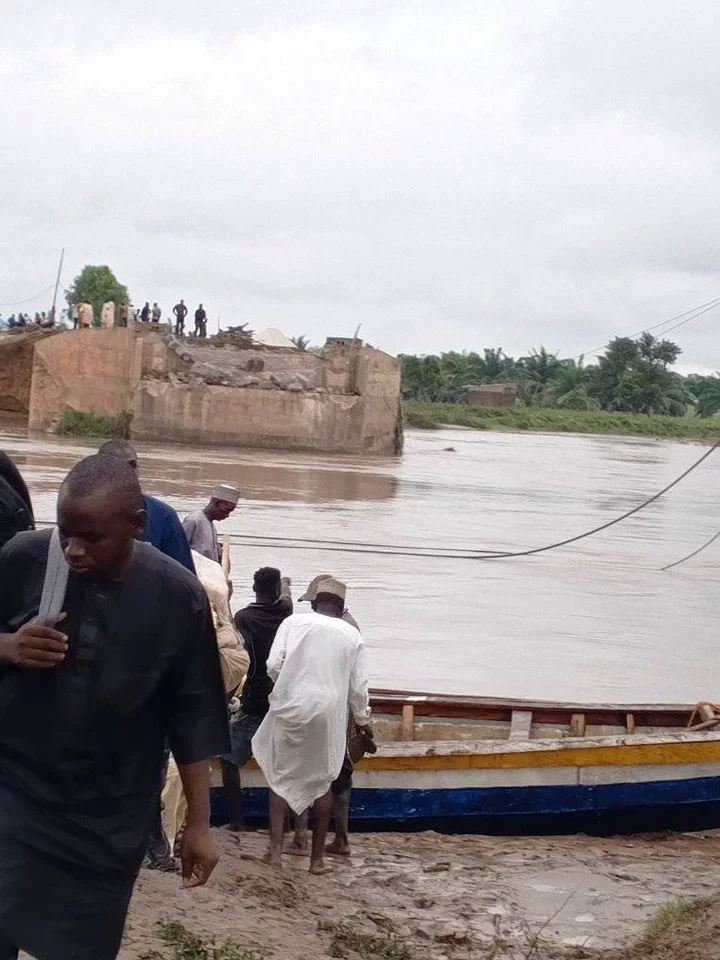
626,807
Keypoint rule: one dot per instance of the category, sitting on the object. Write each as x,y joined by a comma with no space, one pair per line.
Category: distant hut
492,395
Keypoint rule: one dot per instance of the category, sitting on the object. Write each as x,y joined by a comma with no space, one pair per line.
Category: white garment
319,667
107,315
174,804
234,659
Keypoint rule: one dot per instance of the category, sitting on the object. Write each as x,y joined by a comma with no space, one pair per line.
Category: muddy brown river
595,620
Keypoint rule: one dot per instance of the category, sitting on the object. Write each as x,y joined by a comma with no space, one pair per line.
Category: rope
507,555
389,550
694,553
611,523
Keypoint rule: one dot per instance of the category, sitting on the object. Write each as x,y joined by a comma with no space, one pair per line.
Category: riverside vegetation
431,416
630,390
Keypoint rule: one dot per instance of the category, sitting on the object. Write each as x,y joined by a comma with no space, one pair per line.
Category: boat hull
608,785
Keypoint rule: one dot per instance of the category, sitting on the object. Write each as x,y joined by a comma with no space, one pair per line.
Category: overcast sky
451,175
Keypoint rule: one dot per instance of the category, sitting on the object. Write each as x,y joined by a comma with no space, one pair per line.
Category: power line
689,314
19,303
683,322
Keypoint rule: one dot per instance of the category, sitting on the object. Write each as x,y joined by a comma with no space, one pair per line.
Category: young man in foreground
85,707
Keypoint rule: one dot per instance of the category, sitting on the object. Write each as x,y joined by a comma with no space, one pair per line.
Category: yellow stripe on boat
624,755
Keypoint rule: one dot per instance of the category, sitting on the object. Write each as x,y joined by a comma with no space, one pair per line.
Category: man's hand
35,646
198,855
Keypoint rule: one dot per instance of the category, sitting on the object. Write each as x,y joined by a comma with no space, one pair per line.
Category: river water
594,621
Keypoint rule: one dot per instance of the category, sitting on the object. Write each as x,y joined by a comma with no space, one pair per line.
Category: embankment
435,415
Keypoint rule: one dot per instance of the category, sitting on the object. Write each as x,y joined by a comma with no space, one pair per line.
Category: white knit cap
223,492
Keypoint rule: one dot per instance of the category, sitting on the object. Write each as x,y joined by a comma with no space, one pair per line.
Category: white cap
223,492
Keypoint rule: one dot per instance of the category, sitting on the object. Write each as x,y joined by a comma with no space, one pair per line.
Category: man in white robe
317,663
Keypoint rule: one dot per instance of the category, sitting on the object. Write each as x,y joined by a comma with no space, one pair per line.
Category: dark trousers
7,950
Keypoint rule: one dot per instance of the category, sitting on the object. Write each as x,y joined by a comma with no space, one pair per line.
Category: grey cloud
453,176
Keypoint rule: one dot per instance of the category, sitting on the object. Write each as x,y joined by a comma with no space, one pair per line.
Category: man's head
182,302
223,500
330,597
122,449
100,513
266,583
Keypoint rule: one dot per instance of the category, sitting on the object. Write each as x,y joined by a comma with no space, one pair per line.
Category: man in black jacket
16,513
257,624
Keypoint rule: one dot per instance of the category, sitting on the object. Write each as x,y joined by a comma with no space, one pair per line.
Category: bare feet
273,858
297,850
338,848
318,868
234,827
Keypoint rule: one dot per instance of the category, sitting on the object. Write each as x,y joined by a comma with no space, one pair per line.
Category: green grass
369,946
435,415
180,944
668,918
75,423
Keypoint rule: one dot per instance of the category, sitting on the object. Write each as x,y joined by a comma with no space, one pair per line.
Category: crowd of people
42,319
123,672
81,315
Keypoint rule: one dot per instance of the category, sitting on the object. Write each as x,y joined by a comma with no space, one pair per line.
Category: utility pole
57,284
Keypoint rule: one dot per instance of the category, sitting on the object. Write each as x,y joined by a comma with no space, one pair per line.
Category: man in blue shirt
162,528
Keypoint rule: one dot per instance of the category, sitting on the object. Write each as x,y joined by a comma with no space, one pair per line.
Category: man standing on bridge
200,322
180,311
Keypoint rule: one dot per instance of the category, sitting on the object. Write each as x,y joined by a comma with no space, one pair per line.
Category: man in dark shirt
257,624
164,531
87,700
180,311
200,322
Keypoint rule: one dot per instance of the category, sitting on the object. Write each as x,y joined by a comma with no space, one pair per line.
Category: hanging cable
694,553
19,303
390,550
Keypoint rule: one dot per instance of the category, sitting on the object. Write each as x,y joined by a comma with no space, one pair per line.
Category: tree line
631,376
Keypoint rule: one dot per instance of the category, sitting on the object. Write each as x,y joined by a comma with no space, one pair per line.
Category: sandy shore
445,897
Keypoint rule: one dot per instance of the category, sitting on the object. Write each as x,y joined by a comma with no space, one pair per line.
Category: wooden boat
476,764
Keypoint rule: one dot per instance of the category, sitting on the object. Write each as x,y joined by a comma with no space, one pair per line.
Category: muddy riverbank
434,897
